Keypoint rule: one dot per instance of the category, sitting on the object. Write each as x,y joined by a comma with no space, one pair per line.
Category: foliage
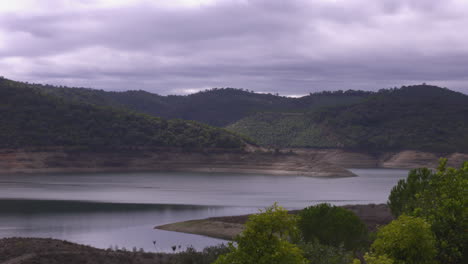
266,240
332,226
32,119
317,253
207,256
441,198
444,204
282,129
406,240
403,196
420,117
373,259
217,106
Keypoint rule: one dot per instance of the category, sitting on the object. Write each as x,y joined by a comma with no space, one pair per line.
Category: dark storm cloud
291,47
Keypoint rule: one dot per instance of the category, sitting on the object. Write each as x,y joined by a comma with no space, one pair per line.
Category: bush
373,259
332,226
317,253
207,256
266,240
407,240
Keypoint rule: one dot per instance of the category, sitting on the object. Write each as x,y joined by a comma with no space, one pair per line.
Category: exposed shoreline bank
373,215
297,162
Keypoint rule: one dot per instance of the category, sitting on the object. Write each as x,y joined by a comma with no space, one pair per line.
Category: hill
32,118
217,107
421,117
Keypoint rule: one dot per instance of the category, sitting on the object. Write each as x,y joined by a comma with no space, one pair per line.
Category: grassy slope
417,117
31,118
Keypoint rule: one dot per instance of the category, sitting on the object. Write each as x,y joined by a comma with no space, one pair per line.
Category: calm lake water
109,209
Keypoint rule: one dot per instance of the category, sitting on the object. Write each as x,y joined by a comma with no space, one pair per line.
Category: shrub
407,240
266,240
332,226
317,253
373,259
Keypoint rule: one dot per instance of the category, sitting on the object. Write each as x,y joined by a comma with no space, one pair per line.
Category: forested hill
217,107
31,118
421,117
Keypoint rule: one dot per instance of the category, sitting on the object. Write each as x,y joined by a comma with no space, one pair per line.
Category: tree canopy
31,118
421,117
407,240
440,197
332,226
266,240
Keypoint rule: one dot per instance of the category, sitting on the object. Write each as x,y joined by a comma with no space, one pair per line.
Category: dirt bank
306,162
407,159
246,162
228,227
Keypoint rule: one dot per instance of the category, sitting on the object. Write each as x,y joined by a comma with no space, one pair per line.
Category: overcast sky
291,47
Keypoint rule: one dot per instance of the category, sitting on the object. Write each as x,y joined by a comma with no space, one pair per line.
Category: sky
290,47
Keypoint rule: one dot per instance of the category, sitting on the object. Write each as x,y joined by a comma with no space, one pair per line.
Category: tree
440,198
407,240
266,240
403,198
444,204
332,226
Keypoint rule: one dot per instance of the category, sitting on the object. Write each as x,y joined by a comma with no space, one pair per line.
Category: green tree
407,240
332,226
403,197
444,204
267,239
440,198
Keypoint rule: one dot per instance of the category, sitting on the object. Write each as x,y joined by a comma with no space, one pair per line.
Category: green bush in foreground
407,240
332,226
266,240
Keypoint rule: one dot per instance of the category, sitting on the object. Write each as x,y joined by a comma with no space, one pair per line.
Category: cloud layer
290,47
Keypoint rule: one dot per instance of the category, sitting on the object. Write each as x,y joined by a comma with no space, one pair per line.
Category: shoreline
134,161
16,250
227,227
294,162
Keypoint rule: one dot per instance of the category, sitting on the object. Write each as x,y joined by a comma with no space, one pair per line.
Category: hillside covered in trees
421,117
217,107
32,118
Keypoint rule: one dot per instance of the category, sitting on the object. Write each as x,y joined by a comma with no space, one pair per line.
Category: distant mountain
217,107
421,117
30,117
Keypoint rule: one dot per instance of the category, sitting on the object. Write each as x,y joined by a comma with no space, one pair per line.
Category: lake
121,209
